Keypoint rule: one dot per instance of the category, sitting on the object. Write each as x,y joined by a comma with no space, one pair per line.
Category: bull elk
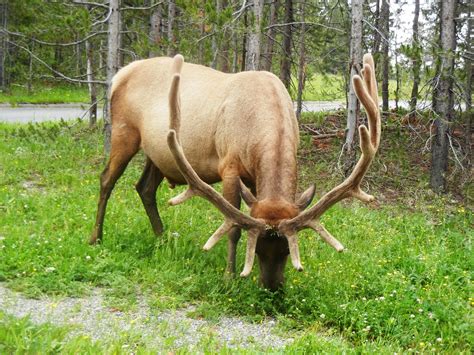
198,126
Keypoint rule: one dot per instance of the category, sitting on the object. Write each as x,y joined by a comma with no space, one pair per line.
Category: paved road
40,113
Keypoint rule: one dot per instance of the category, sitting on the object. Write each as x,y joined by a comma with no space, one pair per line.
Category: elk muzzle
272,252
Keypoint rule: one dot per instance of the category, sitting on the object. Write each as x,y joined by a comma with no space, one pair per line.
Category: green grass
321,87
404,283
330,87
45,94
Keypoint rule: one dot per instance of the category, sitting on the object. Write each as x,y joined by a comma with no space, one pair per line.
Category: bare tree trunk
469,74
214,39
3,42
398,81
285,67
353,107
223,57
267,60
113,46
156,22
376,44
416,62
385,27
202,29
301,64
235,54
171,28
443,97
30,68
91,85
254,38
244,42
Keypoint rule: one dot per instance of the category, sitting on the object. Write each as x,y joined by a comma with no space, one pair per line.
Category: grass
330,87
321,87
45,94
405,282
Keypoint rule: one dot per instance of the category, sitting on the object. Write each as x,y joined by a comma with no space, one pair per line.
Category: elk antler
197,187
366,90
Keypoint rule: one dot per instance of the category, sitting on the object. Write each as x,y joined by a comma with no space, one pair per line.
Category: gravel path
90,316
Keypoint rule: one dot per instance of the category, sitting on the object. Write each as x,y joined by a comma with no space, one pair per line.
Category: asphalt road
40,113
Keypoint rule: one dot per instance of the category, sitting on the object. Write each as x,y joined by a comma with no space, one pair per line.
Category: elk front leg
231,192
146,188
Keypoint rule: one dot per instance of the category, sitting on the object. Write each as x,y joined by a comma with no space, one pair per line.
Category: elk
198,126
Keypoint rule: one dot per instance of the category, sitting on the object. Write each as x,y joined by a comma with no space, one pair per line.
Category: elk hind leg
146,188
124,145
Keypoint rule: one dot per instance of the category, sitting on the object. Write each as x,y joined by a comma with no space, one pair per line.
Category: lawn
321,87
45,94
330,87
404,284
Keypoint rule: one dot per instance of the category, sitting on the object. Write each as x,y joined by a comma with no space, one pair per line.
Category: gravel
91,316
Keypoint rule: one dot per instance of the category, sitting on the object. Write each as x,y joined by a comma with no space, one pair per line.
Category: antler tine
233,216
366,91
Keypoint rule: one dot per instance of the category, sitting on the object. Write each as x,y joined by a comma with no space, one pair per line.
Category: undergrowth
404,283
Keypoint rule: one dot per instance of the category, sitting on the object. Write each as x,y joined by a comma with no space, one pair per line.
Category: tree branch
142,7
22,35
55,71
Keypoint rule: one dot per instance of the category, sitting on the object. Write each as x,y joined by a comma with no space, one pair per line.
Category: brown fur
273,211
233,126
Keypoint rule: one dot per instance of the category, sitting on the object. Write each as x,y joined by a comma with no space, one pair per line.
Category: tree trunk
469,74
113,47
254,37
3,43
244,42
214,39
385,27
92,86
416,62
398,82
171,28
223,55
202,30
156,21
30,68
285,67
301,64
376,45
271,33
235,54
443,97
353,107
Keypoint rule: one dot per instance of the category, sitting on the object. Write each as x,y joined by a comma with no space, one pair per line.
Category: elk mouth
272,251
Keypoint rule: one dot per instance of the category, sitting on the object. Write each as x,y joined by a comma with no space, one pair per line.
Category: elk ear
247,195
306,197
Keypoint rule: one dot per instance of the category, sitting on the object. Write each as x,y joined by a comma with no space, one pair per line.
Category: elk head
272,231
